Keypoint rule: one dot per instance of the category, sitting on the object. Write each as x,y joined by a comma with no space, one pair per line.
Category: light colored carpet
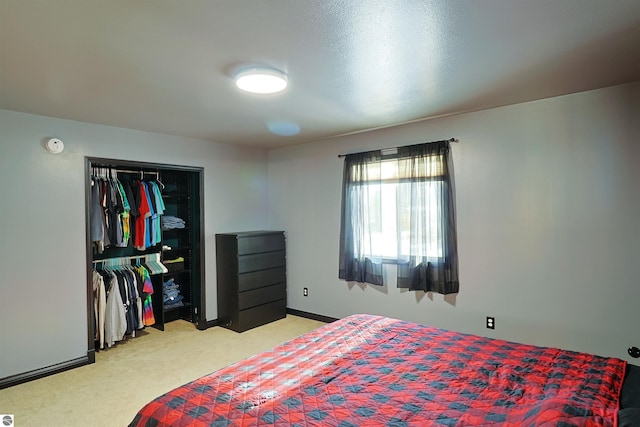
124,378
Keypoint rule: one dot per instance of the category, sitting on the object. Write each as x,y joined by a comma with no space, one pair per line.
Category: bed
367,370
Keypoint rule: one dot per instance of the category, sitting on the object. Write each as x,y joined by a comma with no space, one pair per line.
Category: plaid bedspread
373,371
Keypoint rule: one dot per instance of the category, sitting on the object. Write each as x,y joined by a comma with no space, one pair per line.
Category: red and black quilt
368,370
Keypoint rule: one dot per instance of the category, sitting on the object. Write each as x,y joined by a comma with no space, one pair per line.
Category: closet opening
145,248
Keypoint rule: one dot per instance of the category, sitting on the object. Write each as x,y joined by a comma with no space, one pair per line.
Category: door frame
147,167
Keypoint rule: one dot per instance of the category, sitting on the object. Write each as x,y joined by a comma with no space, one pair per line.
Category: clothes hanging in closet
125,212
122,302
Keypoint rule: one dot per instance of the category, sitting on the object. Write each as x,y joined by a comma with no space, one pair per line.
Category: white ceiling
353,65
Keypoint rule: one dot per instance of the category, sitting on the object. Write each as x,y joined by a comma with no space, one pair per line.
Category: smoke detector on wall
54,145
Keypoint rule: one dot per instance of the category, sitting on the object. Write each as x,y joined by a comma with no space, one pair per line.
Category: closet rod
141,172
157,174
129,258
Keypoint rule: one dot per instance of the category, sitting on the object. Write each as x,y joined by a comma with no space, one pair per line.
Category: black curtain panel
427,219
361,182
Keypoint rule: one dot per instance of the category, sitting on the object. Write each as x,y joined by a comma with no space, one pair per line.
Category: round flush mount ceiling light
261,80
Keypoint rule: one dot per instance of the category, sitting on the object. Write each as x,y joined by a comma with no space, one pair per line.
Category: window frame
397,181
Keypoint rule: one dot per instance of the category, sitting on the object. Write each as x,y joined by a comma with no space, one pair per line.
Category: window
400,207
390,225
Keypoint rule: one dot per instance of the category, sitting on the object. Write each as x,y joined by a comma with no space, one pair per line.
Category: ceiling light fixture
261,80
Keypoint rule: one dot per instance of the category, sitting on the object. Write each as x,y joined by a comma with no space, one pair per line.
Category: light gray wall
43,318
548,198
548,222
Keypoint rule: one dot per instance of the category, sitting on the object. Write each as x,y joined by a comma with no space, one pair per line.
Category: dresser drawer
247,263
263,243
260,315
260,278
262,295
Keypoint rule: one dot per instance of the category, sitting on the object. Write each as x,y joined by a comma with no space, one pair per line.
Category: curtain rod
391,148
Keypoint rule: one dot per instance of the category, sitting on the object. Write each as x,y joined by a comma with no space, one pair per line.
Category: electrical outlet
634,352
305,292
491,322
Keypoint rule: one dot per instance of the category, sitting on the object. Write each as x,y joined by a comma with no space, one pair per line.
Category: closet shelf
176,195
173,230
186,304
177,248
181,271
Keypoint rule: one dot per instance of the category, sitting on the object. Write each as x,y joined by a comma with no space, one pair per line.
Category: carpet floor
127,376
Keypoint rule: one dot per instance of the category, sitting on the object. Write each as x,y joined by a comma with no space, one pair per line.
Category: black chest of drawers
251,272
